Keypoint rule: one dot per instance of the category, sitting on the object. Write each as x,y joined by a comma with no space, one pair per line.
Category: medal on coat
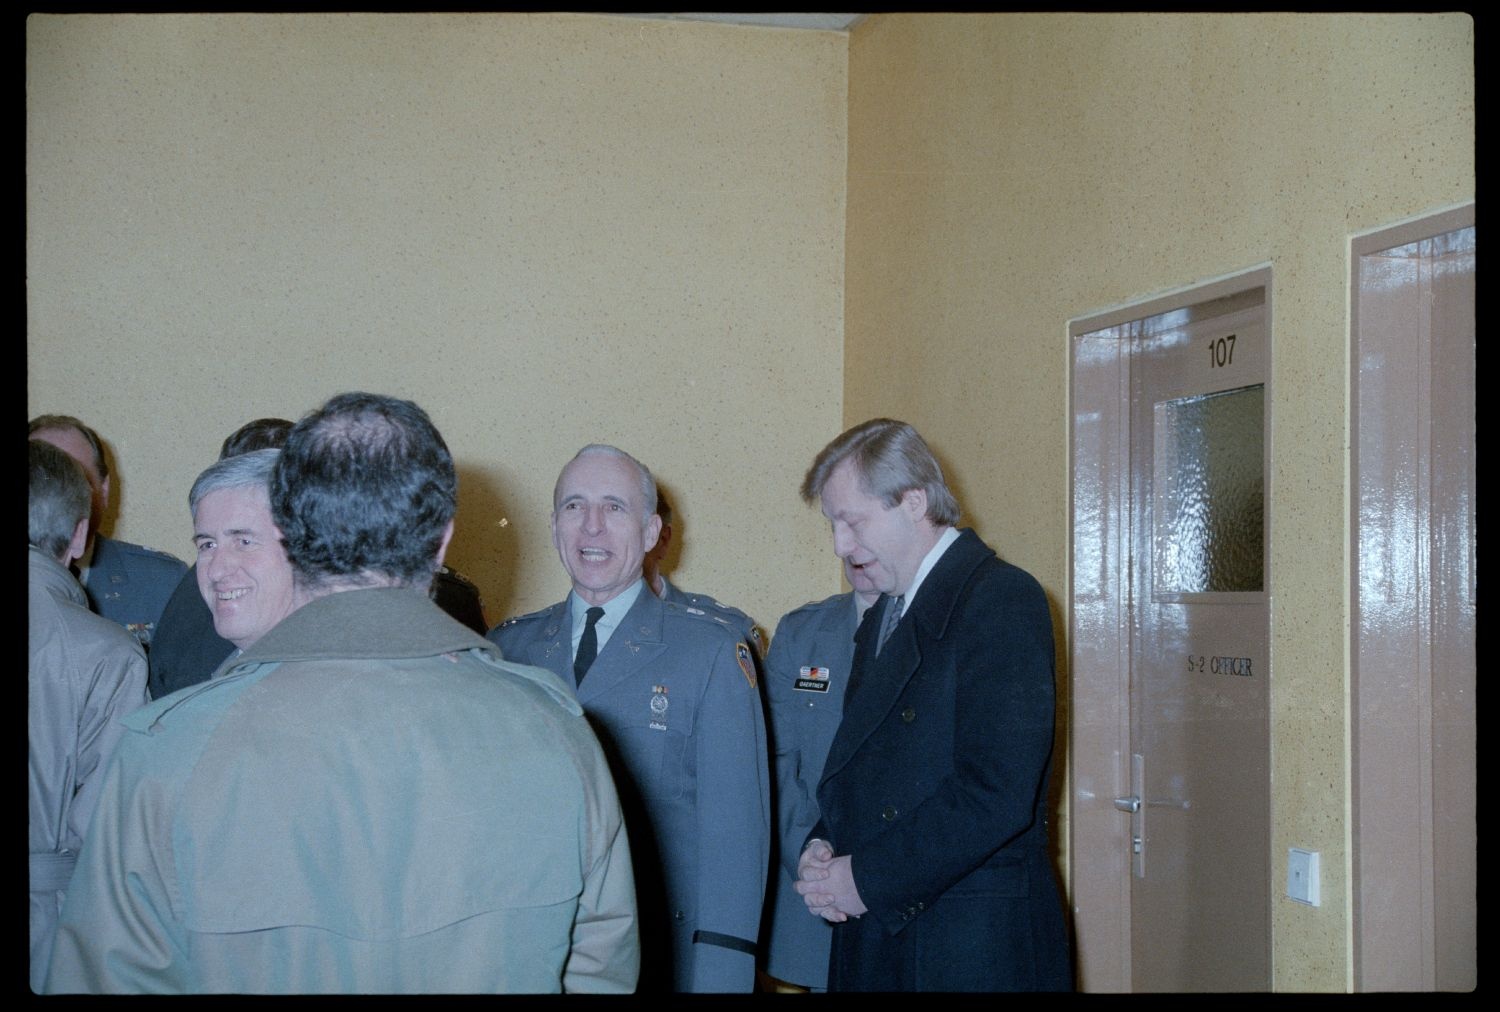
658,708
813,679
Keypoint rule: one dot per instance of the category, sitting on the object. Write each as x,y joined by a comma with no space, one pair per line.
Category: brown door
1170,736
1200,834
1415,593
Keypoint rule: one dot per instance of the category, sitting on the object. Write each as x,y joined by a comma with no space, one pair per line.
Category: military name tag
814,679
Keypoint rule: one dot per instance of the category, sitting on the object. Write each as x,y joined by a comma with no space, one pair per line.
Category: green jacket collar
381,622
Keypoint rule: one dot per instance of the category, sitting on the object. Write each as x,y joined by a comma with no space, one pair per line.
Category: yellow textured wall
546,229
550,229
1008,173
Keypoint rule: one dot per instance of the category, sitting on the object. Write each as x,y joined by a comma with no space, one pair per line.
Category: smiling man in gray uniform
673,697
368,799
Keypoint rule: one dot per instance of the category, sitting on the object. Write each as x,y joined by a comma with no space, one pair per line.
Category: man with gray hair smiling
672,694
243,571
185,649
368,799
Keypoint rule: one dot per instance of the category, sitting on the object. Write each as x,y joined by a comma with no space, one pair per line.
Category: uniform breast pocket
657,760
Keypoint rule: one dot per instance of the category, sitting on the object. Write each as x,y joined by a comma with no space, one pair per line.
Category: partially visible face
243,571
883,543
864,579
601,527
72,442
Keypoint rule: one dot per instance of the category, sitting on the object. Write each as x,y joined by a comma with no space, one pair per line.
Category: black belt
724,941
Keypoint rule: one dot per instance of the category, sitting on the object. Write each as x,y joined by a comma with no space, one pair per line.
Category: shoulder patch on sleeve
742,654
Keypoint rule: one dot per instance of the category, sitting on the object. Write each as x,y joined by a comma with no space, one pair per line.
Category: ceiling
818,22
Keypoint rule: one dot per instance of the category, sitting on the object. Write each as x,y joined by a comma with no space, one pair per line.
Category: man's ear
914,502
443,546
78,542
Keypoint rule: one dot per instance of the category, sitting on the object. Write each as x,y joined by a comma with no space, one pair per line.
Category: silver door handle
1137,812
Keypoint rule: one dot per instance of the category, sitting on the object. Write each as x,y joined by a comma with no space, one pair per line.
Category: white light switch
1302,876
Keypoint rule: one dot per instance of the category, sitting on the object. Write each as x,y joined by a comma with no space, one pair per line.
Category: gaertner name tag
813,679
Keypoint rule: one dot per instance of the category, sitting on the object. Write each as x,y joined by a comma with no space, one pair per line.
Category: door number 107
1221,352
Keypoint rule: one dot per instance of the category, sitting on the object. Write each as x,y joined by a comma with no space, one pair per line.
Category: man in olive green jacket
368,799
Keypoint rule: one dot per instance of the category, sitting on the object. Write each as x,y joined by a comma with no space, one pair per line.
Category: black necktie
891,618
588,646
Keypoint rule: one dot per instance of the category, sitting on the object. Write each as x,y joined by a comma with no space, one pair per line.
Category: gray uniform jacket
366,800
85,673
673,699
807,670
130,584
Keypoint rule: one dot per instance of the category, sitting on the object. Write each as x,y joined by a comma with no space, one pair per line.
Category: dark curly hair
363,490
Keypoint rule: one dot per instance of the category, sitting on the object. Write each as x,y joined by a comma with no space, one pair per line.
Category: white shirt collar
949,536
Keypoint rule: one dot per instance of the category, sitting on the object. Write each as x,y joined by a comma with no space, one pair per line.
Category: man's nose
843,542
218,563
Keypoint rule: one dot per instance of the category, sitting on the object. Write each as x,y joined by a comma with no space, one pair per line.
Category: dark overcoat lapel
881,680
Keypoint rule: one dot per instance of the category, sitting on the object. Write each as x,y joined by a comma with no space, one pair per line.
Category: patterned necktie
588,646
889,620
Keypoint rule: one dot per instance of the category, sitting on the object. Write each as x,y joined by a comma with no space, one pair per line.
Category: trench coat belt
50,872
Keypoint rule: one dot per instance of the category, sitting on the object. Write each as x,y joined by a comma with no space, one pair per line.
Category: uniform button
921,906
679,916
889,813
810,704
908,715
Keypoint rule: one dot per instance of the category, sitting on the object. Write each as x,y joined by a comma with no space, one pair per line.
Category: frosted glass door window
1210,492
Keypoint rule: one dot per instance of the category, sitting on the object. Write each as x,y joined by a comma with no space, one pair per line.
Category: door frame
1098,622
1413,913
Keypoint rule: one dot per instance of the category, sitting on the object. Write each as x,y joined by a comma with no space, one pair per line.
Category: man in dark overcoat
932,857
